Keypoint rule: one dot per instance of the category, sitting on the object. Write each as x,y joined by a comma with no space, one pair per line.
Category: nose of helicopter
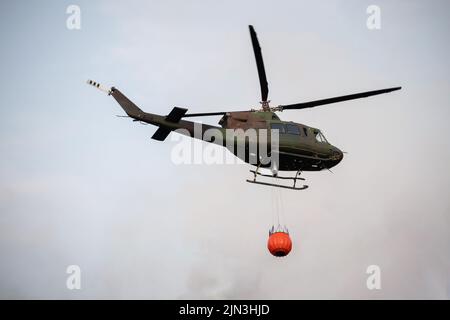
336,156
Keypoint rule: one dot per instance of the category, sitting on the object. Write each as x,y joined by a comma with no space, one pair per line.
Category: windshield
320,137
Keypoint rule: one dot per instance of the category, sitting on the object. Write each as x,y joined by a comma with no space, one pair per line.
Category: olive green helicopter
299,147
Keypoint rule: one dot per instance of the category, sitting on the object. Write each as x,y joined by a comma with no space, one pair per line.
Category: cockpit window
278,126
292,129
320,137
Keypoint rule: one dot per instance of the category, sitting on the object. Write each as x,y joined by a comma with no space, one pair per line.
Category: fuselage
298,147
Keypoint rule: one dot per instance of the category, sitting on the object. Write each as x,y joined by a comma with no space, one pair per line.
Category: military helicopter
300,147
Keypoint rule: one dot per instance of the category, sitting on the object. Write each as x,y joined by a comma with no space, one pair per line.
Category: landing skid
256,173
271,176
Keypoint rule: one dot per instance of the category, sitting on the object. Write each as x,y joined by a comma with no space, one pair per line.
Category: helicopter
299,147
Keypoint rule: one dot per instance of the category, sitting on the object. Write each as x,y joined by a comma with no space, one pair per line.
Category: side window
278,126
305,131
292,129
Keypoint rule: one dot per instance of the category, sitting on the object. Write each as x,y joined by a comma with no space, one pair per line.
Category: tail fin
127,105
165,123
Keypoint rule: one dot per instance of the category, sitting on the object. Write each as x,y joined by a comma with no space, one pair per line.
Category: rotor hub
265,105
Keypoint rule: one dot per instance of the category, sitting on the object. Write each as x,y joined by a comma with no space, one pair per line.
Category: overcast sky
79,186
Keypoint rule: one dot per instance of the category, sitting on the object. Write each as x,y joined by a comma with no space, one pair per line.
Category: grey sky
80,186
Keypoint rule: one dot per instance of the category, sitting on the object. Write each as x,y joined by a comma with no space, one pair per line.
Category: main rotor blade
259,64
316,103
204,114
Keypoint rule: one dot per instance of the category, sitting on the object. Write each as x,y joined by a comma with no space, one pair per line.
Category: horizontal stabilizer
176,114
161,134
